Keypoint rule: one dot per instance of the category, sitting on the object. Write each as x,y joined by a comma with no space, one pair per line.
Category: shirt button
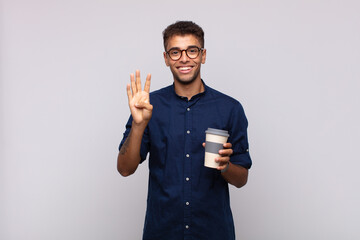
187,203
187,155
187,179
188,131
187,226
188,109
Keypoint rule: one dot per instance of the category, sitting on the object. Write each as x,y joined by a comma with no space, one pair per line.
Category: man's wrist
226,168
139,126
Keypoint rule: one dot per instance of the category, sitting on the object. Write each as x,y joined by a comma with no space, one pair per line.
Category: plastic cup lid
217,132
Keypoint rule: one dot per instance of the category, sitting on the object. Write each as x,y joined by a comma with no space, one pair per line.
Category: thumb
146,105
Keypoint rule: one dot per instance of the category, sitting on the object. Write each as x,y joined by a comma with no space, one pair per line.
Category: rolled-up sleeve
239,138
144,149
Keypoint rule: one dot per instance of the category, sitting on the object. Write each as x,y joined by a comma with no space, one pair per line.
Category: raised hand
139,101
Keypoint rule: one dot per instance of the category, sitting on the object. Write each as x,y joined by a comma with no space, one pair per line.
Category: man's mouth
185,69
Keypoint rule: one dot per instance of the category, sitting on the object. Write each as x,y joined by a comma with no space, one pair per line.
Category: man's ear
203,56
166,59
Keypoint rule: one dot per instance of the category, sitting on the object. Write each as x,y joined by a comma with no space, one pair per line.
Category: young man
186,200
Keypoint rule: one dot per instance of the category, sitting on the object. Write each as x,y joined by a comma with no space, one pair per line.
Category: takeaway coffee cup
215,138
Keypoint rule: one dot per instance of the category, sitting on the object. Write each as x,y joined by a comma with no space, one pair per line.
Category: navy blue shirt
187,200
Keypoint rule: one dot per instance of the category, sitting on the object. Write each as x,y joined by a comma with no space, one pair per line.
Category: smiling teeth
185,68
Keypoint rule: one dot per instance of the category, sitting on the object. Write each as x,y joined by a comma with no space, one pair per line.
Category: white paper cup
215,138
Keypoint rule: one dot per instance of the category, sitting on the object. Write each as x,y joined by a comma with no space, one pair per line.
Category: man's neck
189,90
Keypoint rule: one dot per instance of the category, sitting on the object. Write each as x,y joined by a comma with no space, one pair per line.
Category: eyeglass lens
191,52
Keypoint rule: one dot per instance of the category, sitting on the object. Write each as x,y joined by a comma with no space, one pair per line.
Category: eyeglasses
192,52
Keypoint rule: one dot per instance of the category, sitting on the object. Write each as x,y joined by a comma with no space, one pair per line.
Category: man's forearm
236,175
129,154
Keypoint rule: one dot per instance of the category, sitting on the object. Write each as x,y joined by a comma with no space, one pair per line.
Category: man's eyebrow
177,48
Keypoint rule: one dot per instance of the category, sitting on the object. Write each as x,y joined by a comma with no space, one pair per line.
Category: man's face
185,70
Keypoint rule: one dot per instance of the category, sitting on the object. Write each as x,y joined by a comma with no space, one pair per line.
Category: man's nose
184,57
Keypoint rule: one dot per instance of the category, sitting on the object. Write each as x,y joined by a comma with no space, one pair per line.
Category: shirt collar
193,97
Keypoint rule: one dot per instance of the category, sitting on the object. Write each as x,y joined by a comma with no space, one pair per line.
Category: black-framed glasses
192,52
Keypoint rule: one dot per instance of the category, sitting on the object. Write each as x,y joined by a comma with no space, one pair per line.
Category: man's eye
193,50
174,52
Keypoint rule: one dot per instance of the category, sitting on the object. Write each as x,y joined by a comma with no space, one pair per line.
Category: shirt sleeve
144,149
238,137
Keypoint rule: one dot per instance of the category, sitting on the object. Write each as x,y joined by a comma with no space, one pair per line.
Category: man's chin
185,80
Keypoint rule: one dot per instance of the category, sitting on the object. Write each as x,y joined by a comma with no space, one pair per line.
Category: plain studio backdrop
294,65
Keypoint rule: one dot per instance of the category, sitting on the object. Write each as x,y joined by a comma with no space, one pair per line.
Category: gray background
294,65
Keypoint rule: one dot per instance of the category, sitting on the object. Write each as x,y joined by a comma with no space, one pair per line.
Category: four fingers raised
135,84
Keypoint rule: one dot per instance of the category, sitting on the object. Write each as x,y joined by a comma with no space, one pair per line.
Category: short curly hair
182,28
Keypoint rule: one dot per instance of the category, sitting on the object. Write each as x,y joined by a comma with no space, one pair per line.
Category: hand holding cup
217,150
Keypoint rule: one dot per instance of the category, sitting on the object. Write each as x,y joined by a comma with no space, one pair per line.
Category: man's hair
181,28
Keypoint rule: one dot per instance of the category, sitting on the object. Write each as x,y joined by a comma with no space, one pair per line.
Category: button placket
187,169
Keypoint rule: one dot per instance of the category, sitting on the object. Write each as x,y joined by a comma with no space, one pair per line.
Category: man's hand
139,101
141,111
224,158
235,174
